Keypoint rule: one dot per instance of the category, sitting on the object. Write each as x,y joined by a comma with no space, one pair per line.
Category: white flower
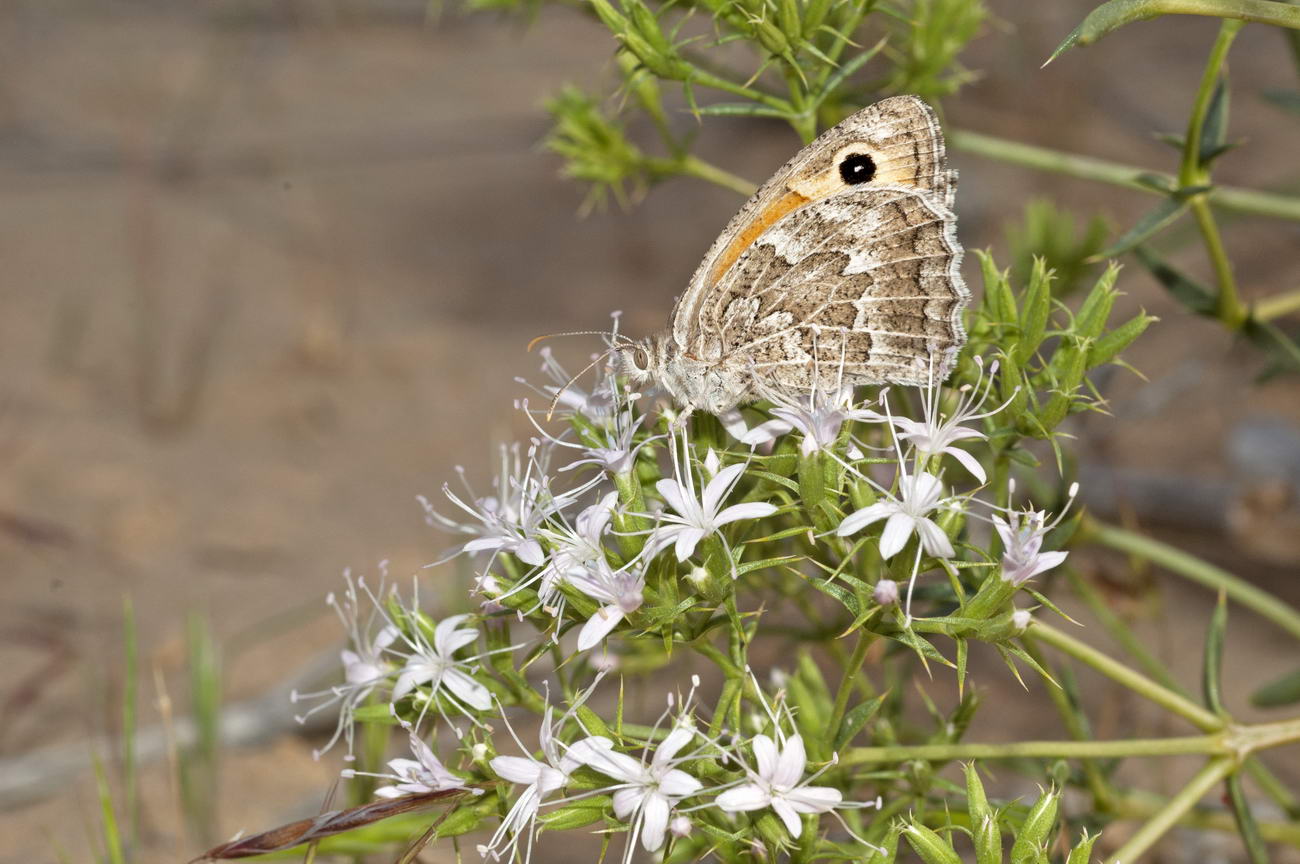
622,592
416,776
364,665
1022,541
921,494
777,782
680,826
646,792
509,520
817,416
575,550
697,517
539,777
435,664
938,435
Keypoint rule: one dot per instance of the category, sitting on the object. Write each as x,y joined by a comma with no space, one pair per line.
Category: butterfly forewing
863,286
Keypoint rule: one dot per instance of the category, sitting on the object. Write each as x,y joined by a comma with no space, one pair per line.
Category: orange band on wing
763,220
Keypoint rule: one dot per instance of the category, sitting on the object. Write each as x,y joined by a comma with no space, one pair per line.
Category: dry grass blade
327,825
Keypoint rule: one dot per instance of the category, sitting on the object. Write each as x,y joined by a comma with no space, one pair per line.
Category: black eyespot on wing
857,168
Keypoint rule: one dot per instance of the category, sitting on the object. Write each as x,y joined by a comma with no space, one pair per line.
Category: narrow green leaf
1212,665
741,109
1247,827
1277,694
1194,296
1214,129
1111,345
855,720
1082,852
108,819
1035,311
1159,217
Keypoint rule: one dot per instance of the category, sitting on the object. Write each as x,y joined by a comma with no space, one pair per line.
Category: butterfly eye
857,168
640,359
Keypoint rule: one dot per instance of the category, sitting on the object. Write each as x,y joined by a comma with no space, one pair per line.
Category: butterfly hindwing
865,283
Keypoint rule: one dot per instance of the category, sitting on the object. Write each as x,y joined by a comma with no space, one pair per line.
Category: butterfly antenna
567,384
605,333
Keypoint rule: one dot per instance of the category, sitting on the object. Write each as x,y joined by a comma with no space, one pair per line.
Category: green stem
851,670
1190,567
1178,806
1130,678
693,166
1208,745
1276,306
1190,171
1228,198
1144,805
717,82
1111,16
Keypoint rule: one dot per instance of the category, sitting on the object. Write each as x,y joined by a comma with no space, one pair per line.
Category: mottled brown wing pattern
903,136
865,283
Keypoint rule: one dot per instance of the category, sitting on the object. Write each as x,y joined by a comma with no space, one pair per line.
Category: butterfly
842,269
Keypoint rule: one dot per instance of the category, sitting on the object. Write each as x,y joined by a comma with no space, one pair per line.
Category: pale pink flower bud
886,592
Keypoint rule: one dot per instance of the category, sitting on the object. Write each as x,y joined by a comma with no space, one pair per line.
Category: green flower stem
1111,16
1228,198
1192,173
1209,745
851,670
1190,170
1130,678
1193,568
1174,810
693,166
706,78
1277,306
1144,805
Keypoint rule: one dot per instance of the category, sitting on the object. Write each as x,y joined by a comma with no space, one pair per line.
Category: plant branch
1174,810
1130,678
1190,567
1230,198
1277,306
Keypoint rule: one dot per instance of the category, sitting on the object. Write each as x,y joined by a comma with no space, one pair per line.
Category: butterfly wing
863,287
901,137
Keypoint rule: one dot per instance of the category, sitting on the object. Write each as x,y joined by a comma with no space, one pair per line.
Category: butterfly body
842,269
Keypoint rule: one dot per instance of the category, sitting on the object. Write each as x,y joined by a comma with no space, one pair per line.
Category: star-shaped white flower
646,792
909,513
435,664
697,515
423,774
778,782
1022,542
622,591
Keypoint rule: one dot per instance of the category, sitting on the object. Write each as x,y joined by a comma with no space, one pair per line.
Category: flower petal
933,539
765,756
793,823
627,800
720,486
742,799
467,690
417,672
516,769
673,493
654,821
855,522
752,510
969,462
897,530
678,784
598,626
676,740
814,799
687,538
789,767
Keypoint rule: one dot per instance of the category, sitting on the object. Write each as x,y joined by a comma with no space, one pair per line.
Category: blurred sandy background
269,268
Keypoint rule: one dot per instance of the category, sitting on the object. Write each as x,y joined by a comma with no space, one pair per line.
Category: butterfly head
644,359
